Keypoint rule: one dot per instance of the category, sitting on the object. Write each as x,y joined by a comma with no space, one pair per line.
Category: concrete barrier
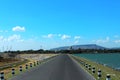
20,68
26,66
89,67
93,70
30,64
2,76
86,65
13,71
99,74
34,64
108,77
37,62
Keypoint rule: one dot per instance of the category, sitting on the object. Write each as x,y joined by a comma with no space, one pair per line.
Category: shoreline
115,75
116,69
103,62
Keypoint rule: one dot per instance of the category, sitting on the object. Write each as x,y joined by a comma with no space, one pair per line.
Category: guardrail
2,75
20,68
93,69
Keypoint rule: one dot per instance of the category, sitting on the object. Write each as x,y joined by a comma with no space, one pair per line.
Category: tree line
13,54
70,51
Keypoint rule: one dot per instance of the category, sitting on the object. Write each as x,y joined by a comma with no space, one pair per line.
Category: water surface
111,59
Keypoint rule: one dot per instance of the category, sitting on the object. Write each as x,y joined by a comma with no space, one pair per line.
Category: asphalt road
60,68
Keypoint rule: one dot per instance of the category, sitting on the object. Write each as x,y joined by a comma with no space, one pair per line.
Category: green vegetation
66,51
72,51
13,64
115,75
8,75
40,51
6,65
16,66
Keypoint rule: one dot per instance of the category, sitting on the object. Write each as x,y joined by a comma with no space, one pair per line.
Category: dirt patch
7,61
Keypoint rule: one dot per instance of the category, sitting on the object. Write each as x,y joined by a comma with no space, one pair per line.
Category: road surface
60,68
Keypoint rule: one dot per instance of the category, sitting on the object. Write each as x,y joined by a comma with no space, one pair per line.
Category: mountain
115,48
75,47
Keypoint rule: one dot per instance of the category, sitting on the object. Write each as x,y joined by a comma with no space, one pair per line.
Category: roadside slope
60,68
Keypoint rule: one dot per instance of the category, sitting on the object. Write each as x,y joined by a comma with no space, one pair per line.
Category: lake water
111,59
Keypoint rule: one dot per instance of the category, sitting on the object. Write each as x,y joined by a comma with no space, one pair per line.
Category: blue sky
46,24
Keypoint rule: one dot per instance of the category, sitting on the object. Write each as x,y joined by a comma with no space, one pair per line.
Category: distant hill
115,48
75,47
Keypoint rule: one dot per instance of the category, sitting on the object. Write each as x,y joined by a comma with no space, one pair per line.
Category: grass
17,72
7,71
115,75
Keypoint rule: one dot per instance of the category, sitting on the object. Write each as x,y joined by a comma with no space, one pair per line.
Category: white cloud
117,41
65,37
18,28
14,38
10,38
48,36
16,42
102,40
57,35
107,39
77,37
76,42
